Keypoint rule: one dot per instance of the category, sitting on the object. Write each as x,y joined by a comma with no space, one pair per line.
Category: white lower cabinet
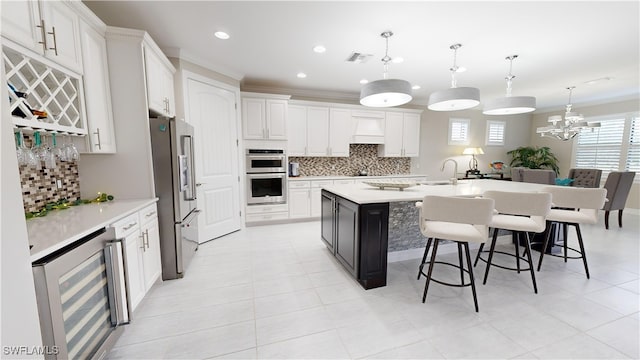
141,237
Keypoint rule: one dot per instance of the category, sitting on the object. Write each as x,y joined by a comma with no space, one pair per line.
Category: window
458,131
495,132
615,146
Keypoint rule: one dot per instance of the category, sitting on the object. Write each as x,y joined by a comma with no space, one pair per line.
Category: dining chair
457,219
572,206
618,185
521,213
589,178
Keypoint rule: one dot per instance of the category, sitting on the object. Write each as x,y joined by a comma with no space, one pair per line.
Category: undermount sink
441,182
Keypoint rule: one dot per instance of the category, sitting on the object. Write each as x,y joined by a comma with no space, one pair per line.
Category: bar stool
461,220
521,213
572,206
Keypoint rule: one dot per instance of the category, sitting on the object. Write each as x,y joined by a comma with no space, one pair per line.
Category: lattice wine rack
42,97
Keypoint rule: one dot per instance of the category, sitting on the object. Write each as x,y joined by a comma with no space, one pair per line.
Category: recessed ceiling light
301,75
397,60
416,87
221,35
319,49
364,81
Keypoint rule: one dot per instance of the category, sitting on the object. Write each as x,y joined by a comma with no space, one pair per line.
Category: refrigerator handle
192,169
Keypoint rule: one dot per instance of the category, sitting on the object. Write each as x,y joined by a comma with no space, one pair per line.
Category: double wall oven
266,176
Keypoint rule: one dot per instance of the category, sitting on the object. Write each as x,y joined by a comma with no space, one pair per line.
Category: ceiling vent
359,58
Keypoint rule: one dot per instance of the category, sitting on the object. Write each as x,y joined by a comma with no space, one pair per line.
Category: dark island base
357,235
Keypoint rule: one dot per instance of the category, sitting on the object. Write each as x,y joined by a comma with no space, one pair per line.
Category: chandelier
568,128
386,92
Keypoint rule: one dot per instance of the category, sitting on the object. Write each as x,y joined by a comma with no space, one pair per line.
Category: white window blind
495,132
615,146
458,131
633,153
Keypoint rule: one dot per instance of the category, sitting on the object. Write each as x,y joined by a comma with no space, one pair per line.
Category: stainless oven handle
119,290
267,175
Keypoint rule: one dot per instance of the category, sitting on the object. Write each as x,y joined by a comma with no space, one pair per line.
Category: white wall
564,149
434,148
19,314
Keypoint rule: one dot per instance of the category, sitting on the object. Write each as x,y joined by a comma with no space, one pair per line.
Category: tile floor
276,292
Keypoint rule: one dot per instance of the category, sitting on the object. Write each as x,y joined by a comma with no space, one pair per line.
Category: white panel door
317,131
64,41
211,110
276,119
411,135
20,21
253,118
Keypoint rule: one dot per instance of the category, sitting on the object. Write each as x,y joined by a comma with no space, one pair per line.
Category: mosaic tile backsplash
361,157
39,186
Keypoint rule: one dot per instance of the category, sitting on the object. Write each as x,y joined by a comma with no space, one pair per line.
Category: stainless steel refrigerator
174,173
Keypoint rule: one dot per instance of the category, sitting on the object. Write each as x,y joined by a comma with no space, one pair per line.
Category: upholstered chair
521,213
589,178
461,220
538,176
618,185
572,206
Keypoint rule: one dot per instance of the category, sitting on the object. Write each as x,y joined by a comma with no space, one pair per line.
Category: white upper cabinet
50,28
160,90
263,117
297,127
317,131
401,135
101,136
340,131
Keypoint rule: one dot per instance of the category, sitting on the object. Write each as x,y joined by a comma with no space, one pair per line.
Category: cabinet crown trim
264,96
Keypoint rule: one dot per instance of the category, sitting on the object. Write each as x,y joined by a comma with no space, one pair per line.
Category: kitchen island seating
521,213
618,185
572,206
461,220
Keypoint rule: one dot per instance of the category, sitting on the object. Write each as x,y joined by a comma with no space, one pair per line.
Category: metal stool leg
424,257
473,283
461,263
584,255
550,227
527,249
517,236
433,260
478,255
491,249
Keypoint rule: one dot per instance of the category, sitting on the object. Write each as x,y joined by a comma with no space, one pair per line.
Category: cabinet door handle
55,42
99,144
43,32
150,214
146,236
143,247
130,226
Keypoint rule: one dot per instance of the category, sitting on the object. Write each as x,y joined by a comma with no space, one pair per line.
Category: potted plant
534,158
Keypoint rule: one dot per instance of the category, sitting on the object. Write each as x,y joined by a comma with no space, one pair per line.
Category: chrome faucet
454,179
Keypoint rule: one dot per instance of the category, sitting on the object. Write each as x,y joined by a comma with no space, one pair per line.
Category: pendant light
509,104
568,128
455,98
385,92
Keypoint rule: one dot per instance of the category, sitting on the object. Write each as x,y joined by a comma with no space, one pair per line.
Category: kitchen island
361,224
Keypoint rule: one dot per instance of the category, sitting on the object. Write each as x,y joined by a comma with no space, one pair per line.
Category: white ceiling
559,44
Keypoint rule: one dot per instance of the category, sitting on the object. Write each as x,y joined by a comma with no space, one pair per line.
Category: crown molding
181,54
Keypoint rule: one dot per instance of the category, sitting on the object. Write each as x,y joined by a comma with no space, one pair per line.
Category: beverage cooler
82,297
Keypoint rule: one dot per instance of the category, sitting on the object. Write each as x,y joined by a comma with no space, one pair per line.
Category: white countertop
365,194
60,228
338,177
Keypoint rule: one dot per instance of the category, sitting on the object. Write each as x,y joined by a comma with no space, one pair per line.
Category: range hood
368,127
